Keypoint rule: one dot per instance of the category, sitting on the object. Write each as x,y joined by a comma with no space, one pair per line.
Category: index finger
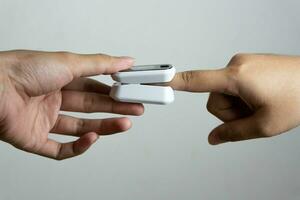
95,64
200,81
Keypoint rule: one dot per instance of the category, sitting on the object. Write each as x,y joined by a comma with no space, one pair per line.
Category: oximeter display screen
148,68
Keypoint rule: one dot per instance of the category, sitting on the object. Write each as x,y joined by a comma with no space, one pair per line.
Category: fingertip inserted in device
131,88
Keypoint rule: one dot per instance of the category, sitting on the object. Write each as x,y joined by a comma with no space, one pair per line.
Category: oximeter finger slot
146,74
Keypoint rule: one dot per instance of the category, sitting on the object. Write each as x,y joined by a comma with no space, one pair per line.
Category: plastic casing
137,93
145,76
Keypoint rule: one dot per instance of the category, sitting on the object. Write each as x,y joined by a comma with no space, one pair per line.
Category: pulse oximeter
134,85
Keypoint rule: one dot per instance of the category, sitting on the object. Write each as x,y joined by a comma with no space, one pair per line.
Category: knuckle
108,59
57,124
263,129
112,106
58,156
80,125
102,55
65,54
88,103
106,62
230,134
187,77
210,107
239,58
235,73
33,145
236,70
71,59
237,64
29,146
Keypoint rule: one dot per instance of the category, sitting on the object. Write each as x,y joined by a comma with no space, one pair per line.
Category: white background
165,155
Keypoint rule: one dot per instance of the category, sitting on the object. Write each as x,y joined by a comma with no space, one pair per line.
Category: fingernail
124,61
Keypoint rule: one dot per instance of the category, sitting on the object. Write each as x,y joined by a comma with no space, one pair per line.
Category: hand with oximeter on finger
35,86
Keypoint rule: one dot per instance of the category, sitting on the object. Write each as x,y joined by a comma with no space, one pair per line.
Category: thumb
201,81
241,129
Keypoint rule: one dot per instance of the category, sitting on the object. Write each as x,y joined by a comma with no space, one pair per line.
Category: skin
254,95
35,86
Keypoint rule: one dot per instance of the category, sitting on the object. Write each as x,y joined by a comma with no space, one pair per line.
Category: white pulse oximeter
131,84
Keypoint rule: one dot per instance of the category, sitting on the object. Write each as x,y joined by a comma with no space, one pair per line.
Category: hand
35,86
255,95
